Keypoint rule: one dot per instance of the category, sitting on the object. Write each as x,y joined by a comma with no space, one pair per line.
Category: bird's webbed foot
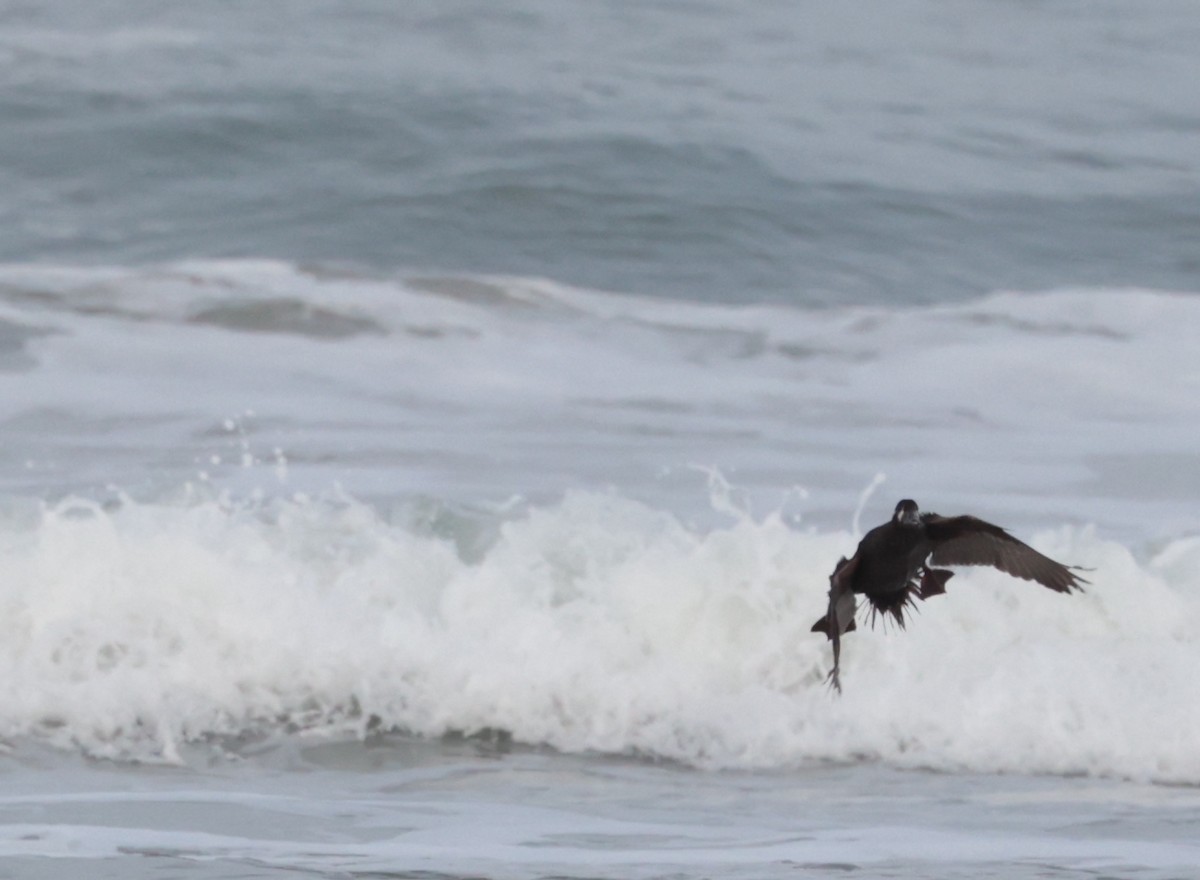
933,582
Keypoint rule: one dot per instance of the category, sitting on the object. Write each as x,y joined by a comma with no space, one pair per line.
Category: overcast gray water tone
427,430
879,152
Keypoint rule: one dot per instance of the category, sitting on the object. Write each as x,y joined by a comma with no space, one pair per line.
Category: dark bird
892,567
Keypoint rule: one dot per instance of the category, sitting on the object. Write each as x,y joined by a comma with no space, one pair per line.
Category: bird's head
906,513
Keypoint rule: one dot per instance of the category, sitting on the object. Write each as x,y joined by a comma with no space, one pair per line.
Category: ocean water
426,432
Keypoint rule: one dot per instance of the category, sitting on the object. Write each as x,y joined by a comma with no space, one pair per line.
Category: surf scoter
891,567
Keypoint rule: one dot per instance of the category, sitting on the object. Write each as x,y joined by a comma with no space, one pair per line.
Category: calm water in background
888,152
378,373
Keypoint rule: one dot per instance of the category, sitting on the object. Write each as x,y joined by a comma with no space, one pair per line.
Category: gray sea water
426,430
880,152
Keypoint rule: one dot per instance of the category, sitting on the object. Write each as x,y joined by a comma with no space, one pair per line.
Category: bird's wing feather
967,540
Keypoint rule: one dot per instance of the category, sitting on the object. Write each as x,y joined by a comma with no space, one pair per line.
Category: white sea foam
598,623
632,618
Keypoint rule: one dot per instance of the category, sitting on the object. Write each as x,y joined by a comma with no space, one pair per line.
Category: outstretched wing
967,540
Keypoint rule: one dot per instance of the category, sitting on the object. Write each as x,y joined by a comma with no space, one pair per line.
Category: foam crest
597,623
1068,406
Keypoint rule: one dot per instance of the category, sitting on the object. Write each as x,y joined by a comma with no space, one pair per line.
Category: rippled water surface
426,431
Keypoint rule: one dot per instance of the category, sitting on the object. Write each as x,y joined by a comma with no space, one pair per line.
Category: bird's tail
902,603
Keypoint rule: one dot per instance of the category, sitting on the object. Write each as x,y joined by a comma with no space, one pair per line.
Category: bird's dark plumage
892,567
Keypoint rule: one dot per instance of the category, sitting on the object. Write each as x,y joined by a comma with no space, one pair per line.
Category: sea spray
596,623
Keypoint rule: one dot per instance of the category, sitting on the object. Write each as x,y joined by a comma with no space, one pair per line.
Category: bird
893,568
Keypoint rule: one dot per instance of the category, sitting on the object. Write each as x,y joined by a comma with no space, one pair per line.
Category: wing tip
1075,582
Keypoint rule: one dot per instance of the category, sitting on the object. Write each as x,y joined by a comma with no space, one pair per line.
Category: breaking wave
594,624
